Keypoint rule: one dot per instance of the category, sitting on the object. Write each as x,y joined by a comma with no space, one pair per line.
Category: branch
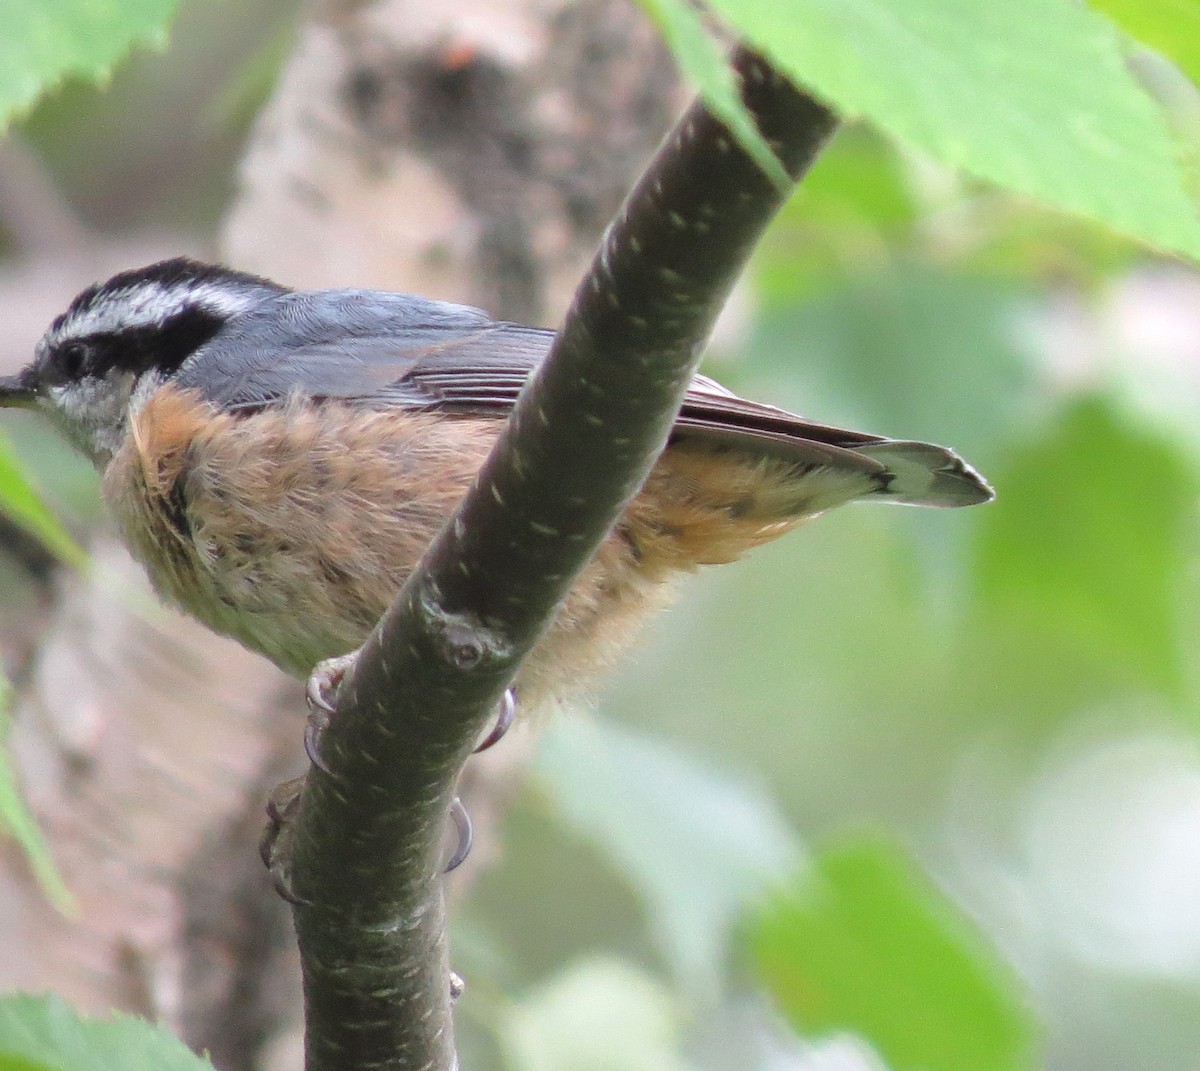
366,844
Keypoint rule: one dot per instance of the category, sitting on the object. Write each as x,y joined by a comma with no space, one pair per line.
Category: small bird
278,460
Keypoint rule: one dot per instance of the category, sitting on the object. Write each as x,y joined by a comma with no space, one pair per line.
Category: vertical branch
367,840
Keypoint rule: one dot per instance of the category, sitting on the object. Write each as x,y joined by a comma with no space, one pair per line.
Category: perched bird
278,459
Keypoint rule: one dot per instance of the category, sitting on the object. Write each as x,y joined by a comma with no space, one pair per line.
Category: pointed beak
15,393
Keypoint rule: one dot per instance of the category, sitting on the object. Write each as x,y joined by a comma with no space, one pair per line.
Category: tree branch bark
367,840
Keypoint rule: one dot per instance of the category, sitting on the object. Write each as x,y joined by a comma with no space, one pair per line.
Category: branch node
462,640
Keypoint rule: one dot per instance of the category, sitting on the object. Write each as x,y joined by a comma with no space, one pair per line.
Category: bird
279,459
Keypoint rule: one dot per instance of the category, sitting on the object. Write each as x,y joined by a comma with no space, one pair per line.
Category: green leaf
46,42
44,1032
1032,95
16,819
695,844
859,943
21,502
1171,27
599,1015
1081,556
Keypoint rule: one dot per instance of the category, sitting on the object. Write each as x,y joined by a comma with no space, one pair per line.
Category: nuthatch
278,460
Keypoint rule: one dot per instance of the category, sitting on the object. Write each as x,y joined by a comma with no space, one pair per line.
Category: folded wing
383,349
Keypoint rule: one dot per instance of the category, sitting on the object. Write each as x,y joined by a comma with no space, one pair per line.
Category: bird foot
321,695
276,844
505,712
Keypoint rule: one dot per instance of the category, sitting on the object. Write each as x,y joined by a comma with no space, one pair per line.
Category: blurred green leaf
43,43
858,177
1080,558
16,819
45,1032
817,664
860,943
19,1063
695,843
1032,95
851,211
21,502
912,352
1044,247
1172,27
598,1015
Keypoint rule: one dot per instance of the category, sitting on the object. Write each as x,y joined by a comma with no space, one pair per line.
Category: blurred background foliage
904,790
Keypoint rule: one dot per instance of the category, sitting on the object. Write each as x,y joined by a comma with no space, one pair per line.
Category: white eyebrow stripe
151,304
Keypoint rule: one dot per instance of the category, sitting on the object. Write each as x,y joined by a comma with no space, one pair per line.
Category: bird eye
71,359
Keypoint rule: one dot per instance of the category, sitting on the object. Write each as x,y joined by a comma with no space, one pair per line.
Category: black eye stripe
162,346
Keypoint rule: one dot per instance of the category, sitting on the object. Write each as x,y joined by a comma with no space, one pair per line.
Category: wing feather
382,349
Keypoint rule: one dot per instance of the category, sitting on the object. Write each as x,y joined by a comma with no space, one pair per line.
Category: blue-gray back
383,349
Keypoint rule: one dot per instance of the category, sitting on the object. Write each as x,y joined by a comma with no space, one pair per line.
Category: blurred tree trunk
471,153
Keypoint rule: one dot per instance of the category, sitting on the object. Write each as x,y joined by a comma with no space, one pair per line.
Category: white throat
94,414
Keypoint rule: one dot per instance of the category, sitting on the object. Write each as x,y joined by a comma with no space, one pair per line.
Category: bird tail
706,503
921,474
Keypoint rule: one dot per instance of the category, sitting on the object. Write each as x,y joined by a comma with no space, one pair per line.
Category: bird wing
383,349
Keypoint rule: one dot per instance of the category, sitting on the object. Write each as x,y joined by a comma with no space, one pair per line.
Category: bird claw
321,694
466,835
506,711
275,847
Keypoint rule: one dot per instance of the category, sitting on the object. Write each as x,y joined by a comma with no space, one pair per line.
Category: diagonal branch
367,841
